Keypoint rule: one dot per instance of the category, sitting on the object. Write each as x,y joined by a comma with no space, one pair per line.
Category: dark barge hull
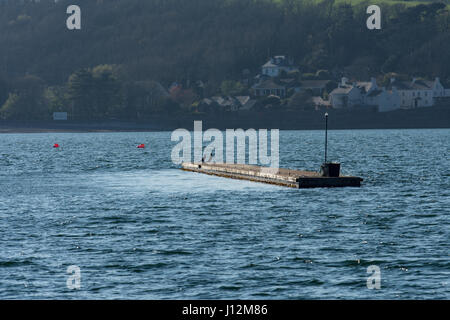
281,177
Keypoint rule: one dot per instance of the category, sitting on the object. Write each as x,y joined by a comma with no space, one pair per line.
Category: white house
276,65
364,94
419,93
345,95
384,100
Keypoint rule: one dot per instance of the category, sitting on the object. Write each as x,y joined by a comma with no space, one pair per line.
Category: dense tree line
113,66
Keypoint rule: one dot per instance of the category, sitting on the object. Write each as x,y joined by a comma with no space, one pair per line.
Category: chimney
344,81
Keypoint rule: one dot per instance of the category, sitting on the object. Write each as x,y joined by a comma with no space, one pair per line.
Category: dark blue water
138,227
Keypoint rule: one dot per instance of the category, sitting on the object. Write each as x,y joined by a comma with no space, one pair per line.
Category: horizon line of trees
89,94
103,92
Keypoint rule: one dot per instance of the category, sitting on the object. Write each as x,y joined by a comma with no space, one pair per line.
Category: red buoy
56,145
141,146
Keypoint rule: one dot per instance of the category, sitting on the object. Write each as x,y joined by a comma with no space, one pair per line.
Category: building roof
268,84
238,102
402,85
290,83
243,99
375,93
422,85
314,84
249,105
224,101
342,89
411,85
364,85
318,101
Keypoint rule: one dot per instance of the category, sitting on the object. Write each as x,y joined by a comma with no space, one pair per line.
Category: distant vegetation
407,3
129,52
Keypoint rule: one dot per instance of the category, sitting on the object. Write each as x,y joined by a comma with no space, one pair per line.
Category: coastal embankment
432,117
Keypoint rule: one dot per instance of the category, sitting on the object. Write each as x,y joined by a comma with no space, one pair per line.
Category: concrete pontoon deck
282,177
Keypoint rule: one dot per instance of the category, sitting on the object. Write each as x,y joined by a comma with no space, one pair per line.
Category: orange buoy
56,145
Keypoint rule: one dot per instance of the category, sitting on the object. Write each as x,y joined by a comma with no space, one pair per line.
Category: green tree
146,98
107,93
27,102
95,93
56,99
80,94
232,88
12,108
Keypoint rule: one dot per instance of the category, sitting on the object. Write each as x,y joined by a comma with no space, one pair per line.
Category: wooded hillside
127,47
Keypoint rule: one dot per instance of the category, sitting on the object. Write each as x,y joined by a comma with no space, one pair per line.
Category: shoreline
42,131
421,118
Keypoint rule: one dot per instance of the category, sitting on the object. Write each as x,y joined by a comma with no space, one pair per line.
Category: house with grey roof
316,87
364,94
276,65
267,87
380,97
418,93
384,100
345,95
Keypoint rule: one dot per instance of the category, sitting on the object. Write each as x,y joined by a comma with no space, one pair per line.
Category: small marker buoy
141,146
56,145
